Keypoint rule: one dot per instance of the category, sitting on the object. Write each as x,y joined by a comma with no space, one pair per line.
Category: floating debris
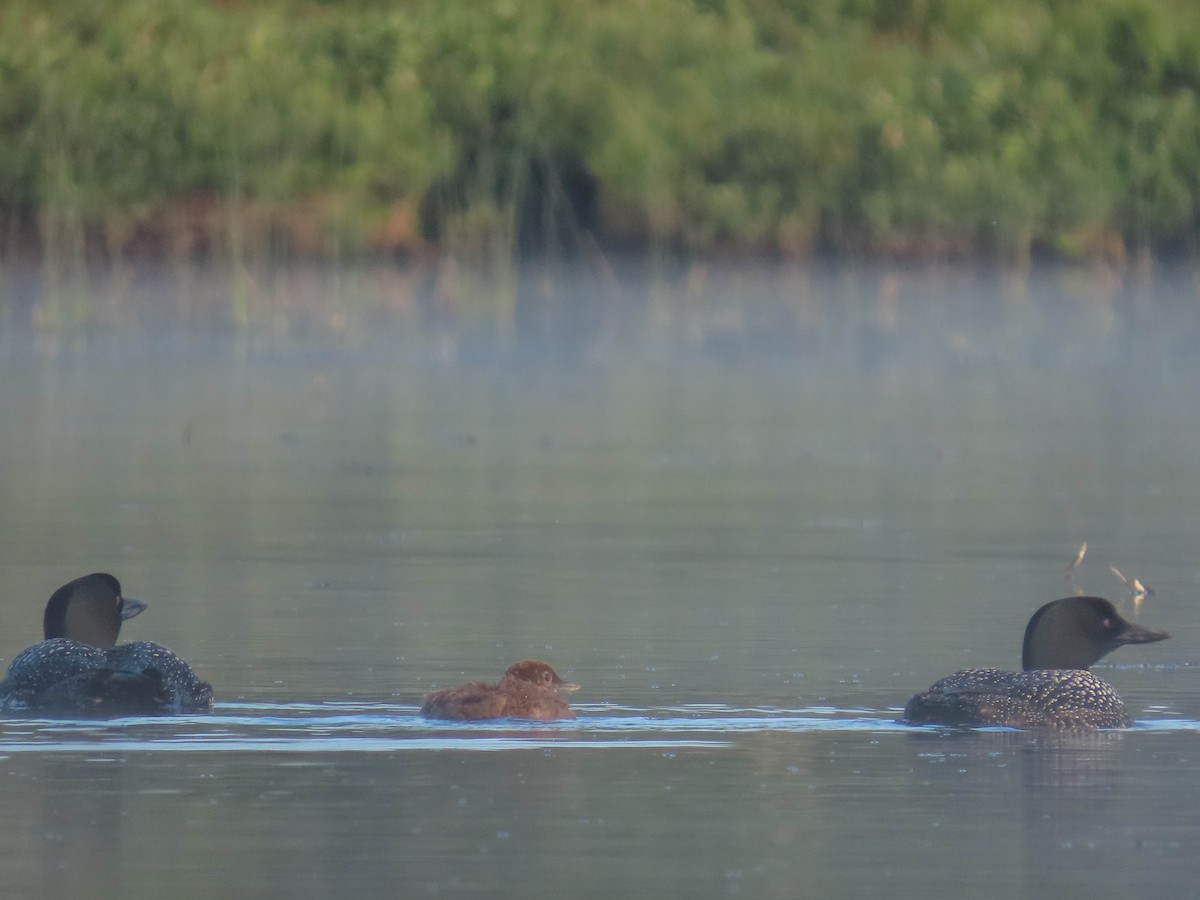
1078,557
1137,590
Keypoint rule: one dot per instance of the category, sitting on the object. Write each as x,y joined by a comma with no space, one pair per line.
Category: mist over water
869,318
750,511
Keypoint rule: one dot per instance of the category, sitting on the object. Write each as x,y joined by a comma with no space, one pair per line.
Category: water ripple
361,727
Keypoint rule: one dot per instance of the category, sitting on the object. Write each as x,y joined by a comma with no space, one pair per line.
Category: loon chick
1062,639
80,670
528,689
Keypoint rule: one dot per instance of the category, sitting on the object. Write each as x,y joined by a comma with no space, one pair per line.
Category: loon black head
534,671
1074,632
90,610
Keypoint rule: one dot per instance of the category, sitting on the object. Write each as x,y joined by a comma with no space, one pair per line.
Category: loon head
90,610
1074,632
534,671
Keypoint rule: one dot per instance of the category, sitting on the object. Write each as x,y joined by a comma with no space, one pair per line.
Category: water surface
748,560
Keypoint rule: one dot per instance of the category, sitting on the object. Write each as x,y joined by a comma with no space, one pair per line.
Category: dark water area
748,548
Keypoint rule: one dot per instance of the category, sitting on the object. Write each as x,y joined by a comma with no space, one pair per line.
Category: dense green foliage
922,126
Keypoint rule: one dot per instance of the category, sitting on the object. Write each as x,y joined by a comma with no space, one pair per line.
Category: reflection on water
750,538
1068,758
873,318
720,802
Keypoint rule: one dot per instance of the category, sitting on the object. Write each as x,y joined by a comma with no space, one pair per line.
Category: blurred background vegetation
293,130
752,126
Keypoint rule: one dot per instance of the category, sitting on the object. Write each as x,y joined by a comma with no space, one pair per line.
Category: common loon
528,689
80,670
1062,639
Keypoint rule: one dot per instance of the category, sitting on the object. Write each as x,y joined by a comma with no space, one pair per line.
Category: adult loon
1062,639
80,670
528,689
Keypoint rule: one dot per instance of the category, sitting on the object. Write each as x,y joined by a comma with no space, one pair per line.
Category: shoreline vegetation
471,139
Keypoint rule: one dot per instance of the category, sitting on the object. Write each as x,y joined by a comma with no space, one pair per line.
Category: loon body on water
79,670
1055,689
528,689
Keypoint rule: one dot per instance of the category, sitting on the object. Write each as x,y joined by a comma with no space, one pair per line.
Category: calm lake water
749,535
